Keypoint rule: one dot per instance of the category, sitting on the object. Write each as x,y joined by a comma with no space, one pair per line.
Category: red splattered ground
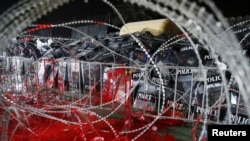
36,128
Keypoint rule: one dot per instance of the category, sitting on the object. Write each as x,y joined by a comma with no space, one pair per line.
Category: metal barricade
178,92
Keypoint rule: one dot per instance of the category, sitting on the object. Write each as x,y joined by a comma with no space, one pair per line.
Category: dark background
95,9
229,8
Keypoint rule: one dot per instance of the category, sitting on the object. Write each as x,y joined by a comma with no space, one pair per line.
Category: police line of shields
178,92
